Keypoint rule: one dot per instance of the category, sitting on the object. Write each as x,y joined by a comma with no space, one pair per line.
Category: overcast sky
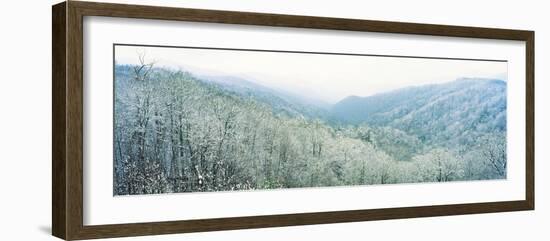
321,76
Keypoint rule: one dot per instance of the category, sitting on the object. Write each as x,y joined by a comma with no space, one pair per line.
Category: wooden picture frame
67,120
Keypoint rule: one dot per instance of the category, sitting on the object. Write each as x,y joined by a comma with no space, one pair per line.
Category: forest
178,132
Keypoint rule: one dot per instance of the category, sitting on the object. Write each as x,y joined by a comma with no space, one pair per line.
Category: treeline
176,133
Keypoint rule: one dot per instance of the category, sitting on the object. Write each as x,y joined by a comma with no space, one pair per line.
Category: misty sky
325,77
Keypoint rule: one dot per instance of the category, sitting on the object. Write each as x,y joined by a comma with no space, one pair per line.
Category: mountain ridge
281,101
464,104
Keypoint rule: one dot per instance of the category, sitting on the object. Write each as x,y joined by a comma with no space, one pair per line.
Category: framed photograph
171,120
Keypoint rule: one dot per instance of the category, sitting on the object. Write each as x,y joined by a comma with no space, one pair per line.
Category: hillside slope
450,113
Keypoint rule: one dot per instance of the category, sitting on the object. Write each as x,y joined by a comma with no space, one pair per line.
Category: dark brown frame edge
67,121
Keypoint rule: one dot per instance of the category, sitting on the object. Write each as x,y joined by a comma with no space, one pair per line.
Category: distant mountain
459,110
280,101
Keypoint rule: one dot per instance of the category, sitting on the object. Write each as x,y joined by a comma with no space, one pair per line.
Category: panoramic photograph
190,119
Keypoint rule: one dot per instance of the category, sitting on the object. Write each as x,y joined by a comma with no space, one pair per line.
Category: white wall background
25,119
